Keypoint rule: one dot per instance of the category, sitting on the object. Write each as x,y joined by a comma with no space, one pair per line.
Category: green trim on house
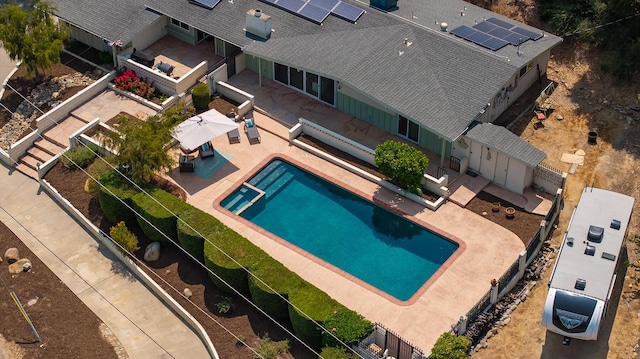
433,142
181,34
367,113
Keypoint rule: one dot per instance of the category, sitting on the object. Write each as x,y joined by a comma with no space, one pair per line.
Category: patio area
181,55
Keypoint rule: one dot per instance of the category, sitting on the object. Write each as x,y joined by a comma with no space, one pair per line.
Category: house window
296,78
312,84
327,90
281,73
180,24
523,71
408,129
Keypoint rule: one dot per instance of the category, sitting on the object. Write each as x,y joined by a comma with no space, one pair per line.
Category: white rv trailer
585,271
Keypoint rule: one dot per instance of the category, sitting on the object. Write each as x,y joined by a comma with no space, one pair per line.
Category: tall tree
32,35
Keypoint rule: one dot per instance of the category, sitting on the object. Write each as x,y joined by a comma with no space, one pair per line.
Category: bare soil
67,327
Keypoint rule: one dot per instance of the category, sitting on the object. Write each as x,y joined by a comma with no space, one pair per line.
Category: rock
187,293
12,255
152,252
506,321
55,94
19,266
1,260
629,120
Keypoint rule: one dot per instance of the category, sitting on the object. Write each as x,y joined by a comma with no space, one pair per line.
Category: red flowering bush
128,81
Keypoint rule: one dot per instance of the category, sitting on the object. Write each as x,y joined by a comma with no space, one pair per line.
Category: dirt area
180,272
587,100
223,104
115,121
67,327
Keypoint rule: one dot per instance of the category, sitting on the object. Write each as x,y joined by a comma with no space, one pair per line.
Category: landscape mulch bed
67,327
182,272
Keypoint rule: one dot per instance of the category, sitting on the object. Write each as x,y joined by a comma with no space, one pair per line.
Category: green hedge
200,96
245,253
161,218
115,189
348,326
201,222
317,305
280,279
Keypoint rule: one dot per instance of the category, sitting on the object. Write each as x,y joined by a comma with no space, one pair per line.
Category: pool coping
419,292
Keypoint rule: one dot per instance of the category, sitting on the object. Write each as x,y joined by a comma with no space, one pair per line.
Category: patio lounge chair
206,150
187,163
252,131
233,135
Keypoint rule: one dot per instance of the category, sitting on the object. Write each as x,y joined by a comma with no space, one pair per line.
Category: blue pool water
375,245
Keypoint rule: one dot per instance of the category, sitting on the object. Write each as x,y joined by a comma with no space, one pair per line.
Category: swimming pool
370,242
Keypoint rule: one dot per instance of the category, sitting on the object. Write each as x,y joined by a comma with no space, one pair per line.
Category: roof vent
590,250
595,234
258,23
615,224
444,26
580,284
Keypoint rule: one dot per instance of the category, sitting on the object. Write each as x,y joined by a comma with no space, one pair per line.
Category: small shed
499,155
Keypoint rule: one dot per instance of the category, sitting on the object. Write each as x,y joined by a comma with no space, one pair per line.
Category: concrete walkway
143,324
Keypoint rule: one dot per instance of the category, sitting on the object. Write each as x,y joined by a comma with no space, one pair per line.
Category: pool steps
267,183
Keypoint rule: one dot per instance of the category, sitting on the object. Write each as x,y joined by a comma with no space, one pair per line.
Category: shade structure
201,128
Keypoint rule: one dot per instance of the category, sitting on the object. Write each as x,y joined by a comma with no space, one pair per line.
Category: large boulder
152,252
12,255
21,265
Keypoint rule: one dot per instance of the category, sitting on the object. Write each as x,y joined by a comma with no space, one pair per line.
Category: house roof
501,139
110,19
440,81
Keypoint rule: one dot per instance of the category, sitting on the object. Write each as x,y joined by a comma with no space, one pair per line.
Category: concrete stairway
53,141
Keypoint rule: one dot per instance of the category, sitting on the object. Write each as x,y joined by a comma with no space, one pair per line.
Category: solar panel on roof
290,5
485,26
347,12
530,34
478,37
313,13
494,44
207,4
325,4
515,39
499,32
500,23
463,31
272,2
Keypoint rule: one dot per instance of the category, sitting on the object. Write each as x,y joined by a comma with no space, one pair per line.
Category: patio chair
252,131
206,150
233,135
187,163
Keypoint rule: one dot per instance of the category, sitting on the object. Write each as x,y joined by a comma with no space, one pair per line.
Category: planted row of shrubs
229,255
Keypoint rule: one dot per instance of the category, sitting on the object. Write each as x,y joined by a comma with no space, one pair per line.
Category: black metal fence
383,343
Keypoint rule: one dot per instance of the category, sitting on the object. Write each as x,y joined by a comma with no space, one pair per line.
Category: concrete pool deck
489,250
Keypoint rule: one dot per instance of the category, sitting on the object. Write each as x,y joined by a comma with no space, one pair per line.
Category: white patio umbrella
201,128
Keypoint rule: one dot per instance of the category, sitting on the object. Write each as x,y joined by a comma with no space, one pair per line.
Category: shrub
336,353
268,349
115,197
201,222
150,206
128,81
348,326
200,96
225,305
280,279
80,156
317,305
403,163
96,170
123,236
450,346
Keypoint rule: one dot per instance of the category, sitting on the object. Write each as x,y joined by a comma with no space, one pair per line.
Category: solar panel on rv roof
494,44
207,4
485,26
500,23
291,5
530,34
463,31
347,12
325,4
313,13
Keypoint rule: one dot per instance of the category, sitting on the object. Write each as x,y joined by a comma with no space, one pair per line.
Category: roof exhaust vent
615,224
257,23
590,250
595,234
580,284
444,26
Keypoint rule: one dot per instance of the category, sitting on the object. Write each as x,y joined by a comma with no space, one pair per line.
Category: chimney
258,23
